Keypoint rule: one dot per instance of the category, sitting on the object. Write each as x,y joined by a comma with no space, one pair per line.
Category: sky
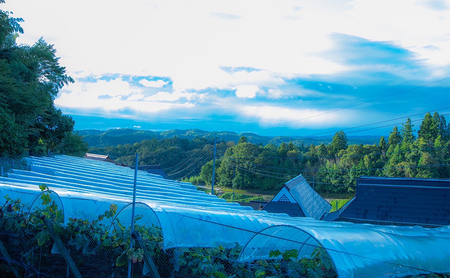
295,68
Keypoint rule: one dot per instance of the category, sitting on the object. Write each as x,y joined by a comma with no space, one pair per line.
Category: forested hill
333,168
114,137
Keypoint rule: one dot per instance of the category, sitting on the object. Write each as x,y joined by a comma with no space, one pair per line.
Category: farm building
398,201
189,218
297,198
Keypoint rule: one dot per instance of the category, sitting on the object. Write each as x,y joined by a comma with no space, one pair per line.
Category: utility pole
132,211
234,177
214,167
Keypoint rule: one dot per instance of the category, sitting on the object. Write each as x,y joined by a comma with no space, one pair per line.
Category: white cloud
246,91
166,96
190,42
269,116
88,95
136,97
153,84
179,39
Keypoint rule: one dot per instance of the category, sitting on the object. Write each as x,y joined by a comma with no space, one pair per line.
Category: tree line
30,79
178,157
334,168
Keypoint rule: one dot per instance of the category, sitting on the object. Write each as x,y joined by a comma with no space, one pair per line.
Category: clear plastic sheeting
360,250
87,176
280,238
190,218
145,216
38,202
73,204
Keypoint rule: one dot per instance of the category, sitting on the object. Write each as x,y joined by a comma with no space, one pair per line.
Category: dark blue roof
152,169
401,200
284,207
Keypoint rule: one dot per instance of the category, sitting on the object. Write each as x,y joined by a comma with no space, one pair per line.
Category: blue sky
294,68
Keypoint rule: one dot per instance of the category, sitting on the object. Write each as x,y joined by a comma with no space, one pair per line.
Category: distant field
239,195
336,204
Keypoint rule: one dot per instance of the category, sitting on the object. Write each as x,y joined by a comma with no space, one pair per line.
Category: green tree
395,137
243,139
12,136
443,127
427,167
429,129
73,144
382,145
340,142
206,172
407,132
30,78
322,151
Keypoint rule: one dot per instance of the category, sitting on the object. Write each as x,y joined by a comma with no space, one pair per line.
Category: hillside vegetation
113,137
331,168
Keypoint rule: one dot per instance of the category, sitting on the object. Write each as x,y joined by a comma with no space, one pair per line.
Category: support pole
147,258
8,260
214,168
132,211
62,249
234,177
314,188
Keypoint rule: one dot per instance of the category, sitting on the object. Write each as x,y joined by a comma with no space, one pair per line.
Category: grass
242,196
238,197
245,196
338,203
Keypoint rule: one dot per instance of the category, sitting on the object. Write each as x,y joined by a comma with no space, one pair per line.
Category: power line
385,121
354,169
390,125
187,174
185,160
187,167
331,157
257,173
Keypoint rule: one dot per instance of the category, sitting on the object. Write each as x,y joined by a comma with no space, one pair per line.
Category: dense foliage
332,168
30,78
122,136
178,157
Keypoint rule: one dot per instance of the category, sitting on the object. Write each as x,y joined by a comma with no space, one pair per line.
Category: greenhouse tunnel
189,218
144,216
38,202
357,252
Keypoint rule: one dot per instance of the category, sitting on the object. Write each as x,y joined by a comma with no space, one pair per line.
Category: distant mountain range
113,137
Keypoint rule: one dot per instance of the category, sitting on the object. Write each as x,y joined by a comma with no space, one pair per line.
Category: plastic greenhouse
86,188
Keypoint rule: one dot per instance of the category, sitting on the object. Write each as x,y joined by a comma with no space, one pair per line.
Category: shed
297,198
99,157
408,201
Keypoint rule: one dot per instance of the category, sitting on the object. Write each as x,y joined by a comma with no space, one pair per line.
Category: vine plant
94,236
